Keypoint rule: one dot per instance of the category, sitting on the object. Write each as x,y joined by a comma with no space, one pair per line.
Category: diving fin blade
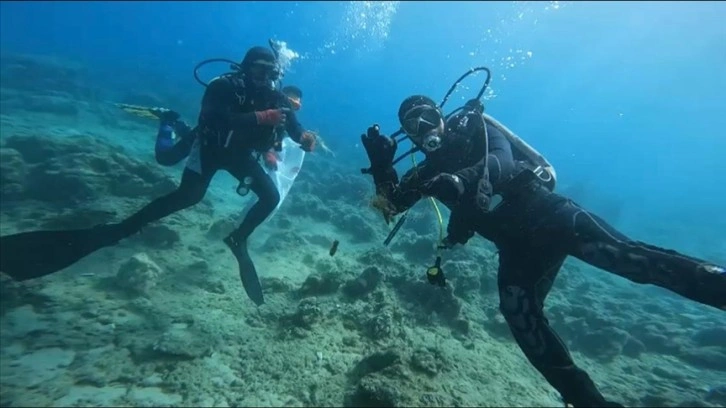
34,254
247,271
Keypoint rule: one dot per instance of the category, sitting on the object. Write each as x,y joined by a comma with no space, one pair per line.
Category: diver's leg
201,168
267,196
596,242
525,278
267,200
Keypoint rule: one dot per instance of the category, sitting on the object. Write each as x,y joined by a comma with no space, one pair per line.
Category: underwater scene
362,204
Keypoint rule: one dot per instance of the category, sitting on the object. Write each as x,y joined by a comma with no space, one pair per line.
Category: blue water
626,99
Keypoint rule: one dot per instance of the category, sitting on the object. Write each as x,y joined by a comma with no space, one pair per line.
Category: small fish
334,248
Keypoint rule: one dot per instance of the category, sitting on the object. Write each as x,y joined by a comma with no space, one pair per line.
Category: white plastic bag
289,162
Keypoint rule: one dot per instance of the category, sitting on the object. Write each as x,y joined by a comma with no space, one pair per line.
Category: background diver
239,113
470,159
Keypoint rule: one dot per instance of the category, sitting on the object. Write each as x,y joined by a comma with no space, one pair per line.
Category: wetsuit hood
260,67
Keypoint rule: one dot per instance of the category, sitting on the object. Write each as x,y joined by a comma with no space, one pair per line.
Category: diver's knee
270,198
510,301
188,196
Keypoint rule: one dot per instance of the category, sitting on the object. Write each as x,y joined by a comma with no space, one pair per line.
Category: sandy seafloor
162,320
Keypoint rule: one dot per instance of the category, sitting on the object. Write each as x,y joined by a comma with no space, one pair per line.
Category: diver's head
260,67
294,95
422,121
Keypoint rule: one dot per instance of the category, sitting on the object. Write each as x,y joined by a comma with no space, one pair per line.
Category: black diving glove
448,188
459,230
380,150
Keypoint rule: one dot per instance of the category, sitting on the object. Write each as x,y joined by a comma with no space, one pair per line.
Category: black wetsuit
169,152
535,230
227,137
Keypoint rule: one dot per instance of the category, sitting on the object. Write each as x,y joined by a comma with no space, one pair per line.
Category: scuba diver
240,112
501,188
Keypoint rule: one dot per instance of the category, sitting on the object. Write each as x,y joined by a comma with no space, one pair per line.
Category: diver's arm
499,161
408,192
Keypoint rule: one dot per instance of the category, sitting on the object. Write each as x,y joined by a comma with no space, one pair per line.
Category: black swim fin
247,270
30,255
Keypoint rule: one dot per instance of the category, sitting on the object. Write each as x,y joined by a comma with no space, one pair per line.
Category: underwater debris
334,247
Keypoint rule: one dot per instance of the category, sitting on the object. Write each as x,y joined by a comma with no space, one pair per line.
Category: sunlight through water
365,27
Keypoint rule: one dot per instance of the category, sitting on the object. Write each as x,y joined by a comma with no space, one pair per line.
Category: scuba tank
523,152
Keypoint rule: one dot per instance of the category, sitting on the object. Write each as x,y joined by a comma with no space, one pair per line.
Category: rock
308,313
633,347
375,362
381,325
467,278
660,343
138,275
13,172
43,75
418,249
318,284
604,344
374,391
276,285
80,218
221,228
84,169
181,342
53,104
717,395
713,358
429,361
159,236
430,299
215,285
422,223
711,337
308,205
357,226
366,283
283,241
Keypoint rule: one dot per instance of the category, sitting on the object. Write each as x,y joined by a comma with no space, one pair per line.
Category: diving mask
424,125
295,102
263,73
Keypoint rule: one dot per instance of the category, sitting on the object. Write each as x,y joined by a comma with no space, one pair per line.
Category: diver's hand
460,228
307,141
270,159
166,116
380,149
385,207
271,117
446,187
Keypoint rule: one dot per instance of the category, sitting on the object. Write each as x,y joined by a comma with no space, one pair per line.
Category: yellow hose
436,209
